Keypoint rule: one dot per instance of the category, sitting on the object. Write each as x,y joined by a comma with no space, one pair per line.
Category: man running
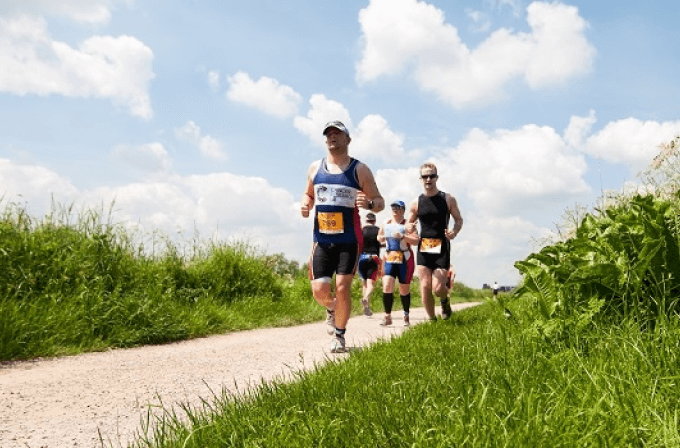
399,261
369,261
433,209
339,185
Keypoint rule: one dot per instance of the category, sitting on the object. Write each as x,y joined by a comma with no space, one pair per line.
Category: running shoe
338,344
330,321
407,322
367,309
446,310
387,320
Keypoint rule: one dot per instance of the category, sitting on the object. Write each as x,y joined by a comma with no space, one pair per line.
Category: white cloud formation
400,34
372,138
214,79
148,157
33,185
114,68
506,169
579,128
208,146
321,111
631,141
265,94
92,11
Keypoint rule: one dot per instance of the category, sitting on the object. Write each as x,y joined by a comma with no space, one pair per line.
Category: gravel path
68,402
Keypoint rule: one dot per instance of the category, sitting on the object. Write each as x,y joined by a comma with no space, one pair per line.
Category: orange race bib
395,257
431,246
330,222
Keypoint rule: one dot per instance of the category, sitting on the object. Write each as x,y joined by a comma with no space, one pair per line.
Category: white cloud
578,129
265,94
400,34
506,169
631,141
214,79
33,185
372,138
208,146
92,11
321,111
148,157
114,68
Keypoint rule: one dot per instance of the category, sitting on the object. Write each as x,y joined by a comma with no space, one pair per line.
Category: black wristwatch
370,205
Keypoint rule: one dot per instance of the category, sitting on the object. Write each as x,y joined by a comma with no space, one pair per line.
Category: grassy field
477,380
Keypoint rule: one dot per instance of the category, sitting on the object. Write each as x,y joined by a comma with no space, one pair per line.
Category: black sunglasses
429,176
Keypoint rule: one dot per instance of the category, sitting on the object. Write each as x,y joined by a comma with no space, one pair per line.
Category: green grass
477,380
74,282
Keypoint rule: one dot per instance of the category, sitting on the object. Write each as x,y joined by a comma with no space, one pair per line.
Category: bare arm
369,190
307,202
412,217
455,214
381,235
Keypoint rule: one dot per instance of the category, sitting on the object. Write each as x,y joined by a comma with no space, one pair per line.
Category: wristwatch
370,205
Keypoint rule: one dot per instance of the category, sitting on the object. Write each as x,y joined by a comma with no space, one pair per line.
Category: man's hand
450,234
362,200
306,205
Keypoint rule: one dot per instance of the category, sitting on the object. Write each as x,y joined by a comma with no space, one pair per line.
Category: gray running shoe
338,344
330,321
387,320
367,310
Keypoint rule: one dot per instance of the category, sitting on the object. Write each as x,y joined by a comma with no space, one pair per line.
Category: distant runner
369,261
399,261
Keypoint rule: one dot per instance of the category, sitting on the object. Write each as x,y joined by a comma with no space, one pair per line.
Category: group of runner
337,186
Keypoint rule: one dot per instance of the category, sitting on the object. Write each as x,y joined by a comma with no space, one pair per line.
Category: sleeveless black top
371,244
433,214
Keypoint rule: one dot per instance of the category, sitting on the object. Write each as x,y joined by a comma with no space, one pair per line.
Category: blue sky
205,116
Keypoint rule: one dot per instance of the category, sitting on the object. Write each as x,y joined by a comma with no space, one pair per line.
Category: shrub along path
67,402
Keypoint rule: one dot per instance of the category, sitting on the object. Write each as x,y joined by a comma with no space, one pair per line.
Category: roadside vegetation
74,281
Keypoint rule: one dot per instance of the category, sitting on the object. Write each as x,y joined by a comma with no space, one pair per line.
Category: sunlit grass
477,380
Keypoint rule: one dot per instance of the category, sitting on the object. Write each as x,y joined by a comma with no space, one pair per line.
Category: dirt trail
67,402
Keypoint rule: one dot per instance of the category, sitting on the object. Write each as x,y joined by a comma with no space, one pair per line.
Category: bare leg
343,306
425,276
321,291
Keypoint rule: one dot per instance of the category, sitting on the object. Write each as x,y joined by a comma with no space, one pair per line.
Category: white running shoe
407,322
330,321
338,344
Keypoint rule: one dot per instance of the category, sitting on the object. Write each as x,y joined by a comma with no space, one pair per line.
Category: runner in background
338,185
399,261
369,261
433,209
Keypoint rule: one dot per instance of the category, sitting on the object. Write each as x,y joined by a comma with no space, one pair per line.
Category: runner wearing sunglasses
433,210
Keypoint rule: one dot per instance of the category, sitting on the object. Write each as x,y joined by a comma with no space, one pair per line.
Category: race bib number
330,222
395,257
431,246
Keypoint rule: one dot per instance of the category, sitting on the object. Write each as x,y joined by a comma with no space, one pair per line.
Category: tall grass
74,281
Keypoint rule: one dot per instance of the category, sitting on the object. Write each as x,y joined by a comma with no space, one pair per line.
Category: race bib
395,257
330,222
431,246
